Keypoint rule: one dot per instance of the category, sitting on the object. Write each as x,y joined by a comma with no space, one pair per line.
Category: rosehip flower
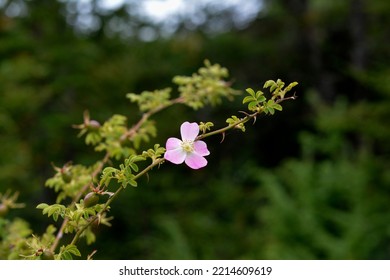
188,149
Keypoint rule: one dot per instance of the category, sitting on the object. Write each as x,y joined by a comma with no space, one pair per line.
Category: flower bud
66,176
47,255
91,199
92,124
3,210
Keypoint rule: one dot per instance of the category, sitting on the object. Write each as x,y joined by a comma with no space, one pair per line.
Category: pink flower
187,150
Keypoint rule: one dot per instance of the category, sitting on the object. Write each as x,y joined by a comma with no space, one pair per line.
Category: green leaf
42,206
261,99
268,83
133,183
73,250
55,216
258,94
248,99
66,256
134,167
251,92
252,106
277,107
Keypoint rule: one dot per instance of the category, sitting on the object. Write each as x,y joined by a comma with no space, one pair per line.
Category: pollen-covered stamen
188,146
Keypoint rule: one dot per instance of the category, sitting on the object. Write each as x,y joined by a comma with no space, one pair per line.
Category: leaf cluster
149,100
68,182
125,174
257,102
237,122
206,87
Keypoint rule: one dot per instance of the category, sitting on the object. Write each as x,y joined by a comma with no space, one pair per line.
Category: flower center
188,146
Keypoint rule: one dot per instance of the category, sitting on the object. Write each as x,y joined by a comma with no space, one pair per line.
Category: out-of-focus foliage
319,189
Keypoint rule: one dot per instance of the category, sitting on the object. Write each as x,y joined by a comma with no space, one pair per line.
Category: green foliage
76,177
204,127
13,236
155,153
254,99
149,100
259,195
66,252
257,102
236,122
124,175
111,133
206,87
146,131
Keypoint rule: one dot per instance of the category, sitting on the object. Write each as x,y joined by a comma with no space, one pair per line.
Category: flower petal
200,147
195,161
173,143
176,156
189,131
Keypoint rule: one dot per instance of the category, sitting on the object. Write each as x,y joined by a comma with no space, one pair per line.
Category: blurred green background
311,182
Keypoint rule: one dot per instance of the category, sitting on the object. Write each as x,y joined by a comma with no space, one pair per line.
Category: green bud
91,199
93,125
47,255
66,176
3,210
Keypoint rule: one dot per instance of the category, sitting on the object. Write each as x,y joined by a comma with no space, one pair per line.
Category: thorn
223,137
147,177
254,119
245,113
91,255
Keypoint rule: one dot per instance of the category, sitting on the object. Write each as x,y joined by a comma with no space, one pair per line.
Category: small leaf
258,94
268,83
277,107
133,183
261,99
134,167
55,216
73,250
252,106
250,91
66,256
247,99
42,206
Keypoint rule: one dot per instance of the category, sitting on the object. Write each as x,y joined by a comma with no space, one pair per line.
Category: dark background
311,182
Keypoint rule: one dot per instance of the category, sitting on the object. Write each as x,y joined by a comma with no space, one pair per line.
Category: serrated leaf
53,209
258,94
42,206
277,107
73,250
268,83
66,256
133,183
252,105
261,99
247,99
290,86
250,91
134,167
55,216
273,87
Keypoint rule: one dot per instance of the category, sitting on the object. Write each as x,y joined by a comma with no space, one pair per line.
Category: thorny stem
128,134
241,121
112,197
226,128
155,162
77,198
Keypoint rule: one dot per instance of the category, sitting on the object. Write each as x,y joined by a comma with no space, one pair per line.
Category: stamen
188,146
